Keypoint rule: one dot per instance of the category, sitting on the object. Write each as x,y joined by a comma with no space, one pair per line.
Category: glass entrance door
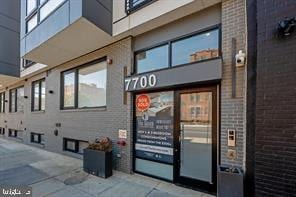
197,135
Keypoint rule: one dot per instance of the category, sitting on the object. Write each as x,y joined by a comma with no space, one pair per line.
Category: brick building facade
275,137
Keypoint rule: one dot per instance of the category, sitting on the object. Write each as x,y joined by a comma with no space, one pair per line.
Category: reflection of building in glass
89,94
204,54
195,107
161,105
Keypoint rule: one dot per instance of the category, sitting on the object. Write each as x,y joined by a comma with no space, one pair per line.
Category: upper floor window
2,102
16,100
85,86
195,48
27,63
189,49
38,10
132,5
38,95
153,59
31,5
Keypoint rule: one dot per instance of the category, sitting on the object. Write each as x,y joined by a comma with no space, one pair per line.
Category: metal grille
131,5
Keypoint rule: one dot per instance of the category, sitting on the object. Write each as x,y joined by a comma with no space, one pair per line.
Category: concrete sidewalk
51,174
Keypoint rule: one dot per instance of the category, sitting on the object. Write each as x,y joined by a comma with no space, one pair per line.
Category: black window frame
40,94
10,131
2,131
15,99
36,10
76,84
76,150
130,6
32,138
27,63
2,106
171,41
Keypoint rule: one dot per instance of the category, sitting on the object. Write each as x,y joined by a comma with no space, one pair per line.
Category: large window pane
31,5
152,59
92,85
36,96
43,95
31,23
2,102
49,7
196,48
12,100
69,89
20,99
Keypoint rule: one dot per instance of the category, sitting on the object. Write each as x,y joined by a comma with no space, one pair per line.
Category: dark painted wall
10,37
275,139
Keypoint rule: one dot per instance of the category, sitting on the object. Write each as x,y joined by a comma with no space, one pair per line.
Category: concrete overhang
157,14
75,28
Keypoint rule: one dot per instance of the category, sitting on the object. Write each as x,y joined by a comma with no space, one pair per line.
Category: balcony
9,39
56,31
135,17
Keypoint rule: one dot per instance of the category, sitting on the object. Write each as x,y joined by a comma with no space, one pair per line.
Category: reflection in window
152,59
92,86
195,112
16,100
43,95
85,86
32,22
2,102
69,89
36,96
12,94
31,5
48,8
20,99
38,103
196,48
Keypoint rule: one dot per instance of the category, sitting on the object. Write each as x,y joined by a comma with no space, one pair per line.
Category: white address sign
145,81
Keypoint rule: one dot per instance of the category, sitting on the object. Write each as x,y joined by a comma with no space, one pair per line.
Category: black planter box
230,184
98,163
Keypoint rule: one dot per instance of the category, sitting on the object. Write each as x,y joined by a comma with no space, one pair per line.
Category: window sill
38,112
37,144
97,109
18,112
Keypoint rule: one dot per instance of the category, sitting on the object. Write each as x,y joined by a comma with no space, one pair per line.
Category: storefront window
85,86
16,100
196,48
152,59
38,102
69,89
154,132
2,102
92,86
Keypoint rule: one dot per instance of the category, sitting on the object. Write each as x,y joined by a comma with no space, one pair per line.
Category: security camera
286,27
240,58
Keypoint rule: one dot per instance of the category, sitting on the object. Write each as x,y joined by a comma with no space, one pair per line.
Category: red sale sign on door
142,102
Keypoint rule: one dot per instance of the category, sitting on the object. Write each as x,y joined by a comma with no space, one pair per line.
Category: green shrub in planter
97,158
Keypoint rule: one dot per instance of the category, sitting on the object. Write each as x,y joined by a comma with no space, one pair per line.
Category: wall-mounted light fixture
56,132
286,27
109,61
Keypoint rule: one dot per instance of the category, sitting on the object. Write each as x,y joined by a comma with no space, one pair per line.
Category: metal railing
132,5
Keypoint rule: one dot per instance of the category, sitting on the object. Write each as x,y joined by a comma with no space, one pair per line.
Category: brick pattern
233,109
80,124
275,150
